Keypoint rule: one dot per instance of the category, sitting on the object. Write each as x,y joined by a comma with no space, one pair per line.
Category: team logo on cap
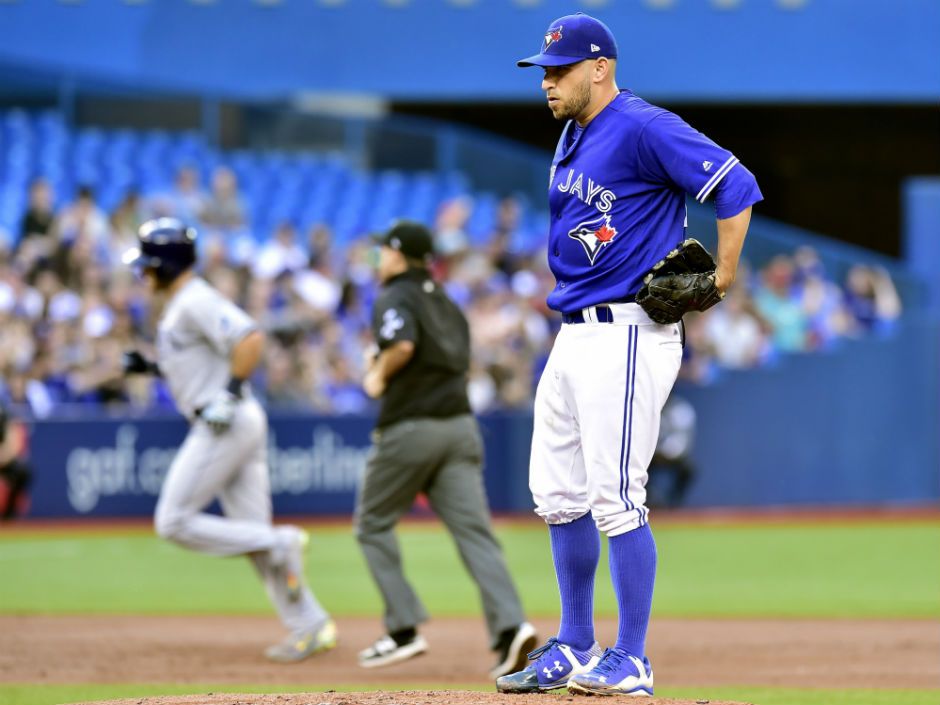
552,36
594,235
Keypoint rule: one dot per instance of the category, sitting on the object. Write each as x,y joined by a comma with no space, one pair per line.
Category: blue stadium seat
304,189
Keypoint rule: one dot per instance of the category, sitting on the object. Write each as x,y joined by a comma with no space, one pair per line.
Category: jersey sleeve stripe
712,182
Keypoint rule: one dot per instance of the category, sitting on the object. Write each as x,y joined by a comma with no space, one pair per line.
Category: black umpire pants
444,459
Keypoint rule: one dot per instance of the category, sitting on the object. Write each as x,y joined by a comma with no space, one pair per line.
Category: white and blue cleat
617,673
554,664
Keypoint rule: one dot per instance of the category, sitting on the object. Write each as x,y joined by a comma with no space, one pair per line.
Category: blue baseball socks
576,549
633,571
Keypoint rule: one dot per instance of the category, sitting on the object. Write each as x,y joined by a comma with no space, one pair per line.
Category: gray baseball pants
232,467
444,459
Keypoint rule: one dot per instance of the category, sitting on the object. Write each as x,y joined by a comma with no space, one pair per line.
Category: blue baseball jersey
617,198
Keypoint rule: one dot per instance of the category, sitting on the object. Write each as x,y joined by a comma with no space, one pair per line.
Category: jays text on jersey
617,197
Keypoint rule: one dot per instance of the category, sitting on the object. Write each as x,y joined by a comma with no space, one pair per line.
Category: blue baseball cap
571,39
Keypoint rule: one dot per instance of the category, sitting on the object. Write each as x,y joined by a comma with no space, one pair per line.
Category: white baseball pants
597,412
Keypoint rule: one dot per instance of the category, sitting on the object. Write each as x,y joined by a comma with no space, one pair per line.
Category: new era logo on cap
594,47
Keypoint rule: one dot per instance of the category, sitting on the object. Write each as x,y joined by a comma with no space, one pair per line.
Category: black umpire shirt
433,383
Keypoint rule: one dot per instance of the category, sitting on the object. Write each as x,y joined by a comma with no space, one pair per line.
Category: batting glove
219,412
134,363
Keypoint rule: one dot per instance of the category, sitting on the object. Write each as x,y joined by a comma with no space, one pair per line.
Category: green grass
862,570
12,694
850,570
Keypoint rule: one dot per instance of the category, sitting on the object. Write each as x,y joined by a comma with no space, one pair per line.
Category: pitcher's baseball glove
684,280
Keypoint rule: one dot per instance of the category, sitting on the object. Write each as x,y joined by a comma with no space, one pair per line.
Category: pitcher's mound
404,697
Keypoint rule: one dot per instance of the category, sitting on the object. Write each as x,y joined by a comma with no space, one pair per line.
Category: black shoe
512,648
387,651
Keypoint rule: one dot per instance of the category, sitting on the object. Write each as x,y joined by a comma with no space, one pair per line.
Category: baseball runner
207,347
625,274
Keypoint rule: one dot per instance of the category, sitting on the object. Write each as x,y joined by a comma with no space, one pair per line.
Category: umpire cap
409,237
165,245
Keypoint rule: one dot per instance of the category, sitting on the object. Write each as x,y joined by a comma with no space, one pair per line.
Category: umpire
426,440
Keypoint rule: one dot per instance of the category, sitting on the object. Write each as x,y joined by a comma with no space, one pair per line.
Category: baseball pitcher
625,273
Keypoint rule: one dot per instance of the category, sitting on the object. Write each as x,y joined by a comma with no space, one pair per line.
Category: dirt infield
227,650
405,697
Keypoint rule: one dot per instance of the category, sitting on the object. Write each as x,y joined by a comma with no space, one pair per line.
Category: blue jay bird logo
552,36
594,235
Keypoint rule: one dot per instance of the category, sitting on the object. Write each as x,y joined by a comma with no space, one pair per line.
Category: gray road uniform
196,334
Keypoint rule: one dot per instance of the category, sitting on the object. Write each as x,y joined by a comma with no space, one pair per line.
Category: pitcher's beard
576,105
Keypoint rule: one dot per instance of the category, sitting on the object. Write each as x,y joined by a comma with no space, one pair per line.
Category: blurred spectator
776,304
15,473
481,389
281,254
319,293
320,247
733,332
671,470
871,298
450,228
500,253
82,219
344,391
281,388
186,200
698,364
17,346
67,305
224,209
73,260
27,393
99,378
59,337
36,243
17,298
125,220
215,267
820,299
504,334
508,219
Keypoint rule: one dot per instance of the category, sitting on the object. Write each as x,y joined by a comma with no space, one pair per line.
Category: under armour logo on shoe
557,667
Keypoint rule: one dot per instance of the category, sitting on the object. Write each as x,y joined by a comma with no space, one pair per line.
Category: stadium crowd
69,308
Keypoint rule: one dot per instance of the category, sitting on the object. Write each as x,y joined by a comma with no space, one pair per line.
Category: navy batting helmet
166,245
